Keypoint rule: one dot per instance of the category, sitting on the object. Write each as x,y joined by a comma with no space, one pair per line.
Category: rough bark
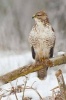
61,84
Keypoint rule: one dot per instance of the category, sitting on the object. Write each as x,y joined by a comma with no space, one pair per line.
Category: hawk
42,40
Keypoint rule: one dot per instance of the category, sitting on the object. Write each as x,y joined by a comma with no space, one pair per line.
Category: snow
61,53
11,62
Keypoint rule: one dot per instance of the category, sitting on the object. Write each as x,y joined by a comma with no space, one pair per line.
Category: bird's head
41,16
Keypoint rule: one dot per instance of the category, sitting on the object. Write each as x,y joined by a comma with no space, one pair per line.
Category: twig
35,91
24,89
16,96
14,91
19,89
54,88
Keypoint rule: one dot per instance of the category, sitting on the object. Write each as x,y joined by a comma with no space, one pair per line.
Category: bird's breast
45,39
42,37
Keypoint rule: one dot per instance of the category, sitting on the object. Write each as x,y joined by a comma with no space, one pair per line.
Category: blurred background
16,22
15,25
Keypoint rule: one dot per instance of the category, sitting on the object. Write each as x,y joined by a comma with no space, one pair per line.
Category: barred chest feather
42,38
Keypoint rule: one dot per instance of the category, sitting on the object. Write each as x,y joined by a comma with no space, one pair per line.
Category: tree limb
61,84
32,68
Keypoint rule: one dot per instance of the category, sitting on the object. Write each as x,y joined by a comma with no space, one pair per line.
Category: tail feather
42,73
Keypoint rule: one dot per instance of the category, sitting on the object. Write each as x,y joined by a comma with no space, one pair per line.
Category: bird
42,40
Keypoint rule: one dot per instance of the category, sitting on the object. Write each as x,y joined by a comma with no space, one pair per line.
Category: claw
42,59
48,62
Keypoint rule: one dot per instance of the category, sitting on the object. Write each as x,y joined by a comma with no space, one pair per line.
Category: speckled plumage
42,39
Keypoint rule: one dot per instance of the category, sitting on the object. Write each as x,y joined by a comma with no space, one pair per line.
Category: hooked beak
33,16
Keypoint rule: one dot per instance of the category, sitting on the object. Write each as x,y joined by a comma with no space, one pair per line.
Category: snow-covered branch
32,68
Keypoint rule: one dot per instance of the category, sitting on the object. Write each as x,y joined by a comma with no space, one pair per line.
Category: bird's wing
33,52
51,52
32,41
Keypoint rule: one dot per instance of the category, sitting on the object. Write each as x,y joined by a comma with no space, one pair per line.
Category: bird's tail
42,73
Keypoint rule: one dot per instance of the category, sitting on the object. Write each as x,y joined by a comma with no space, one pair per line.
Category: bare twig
35,91
24,88
16,96
19,89
13,90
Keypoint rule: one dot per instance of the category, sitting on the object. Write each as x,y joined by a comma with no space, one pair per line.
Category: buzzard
42,40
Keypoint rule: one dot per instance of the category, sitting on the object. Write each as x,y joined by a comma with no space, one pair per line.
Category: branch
32,68
61,84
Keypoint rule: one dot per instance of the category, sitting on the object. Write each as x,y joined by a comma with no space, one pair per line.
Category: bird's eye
39,15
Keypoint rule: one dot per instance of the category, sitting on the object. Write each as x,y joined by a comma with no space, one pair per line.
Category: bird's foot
48,62
45,61
41,60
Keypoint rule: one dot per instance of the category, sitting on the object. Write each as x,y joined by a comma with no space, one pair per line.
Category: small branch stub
61,84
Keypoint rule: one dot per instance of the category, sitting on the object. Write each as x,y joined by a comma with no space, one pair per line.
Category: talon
42,59
48,62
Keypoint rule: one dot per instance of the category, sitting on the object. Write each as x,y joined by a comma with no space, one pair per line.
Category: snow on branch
22,71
